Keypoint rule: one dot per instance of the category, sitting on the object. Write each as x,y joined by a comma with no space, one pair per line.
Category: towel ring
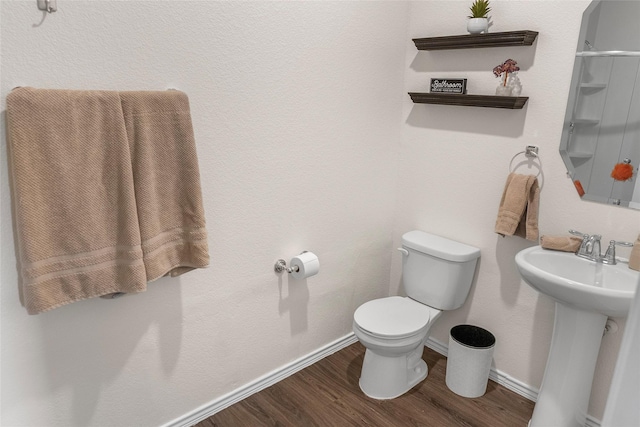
531,153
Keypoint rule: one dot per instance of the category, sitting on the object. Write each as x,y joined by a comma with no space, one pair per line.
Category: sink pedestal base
563,399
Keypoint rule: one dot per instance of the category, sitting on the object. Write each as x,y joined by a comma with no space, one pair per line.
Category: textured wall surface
307,141
297,110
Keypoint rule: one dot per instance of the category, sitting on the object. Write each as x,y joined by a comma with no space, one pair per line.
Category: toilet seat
393,317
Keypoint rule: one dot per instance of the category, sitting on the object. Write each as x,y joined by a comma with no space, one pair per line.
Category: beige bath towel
167,182
561,243
518,211
74,204
77,205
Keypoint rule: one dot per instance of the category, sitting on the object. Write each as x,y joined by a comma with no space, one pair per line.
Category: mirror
602,122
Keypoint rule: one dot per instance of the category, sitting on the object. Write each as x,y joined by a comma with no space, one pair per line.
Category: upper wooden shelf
473,41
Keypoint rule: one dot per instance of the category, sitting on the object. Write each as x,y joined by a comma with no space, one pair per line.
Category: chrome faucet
590,248
586,246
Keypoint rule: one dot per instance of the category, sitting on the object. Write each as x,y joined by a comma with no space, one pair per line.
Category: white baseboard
507,381
279,374
261,383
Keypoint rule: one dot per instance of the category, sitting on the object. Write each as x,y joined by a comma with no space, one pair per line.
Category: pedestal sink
586,293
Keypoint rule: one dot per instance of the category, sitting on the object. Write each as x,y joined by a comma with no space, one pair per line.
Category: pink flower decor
508,66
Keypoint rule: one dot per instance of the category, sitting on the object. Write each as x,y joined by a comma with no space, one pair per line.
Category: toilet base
384,377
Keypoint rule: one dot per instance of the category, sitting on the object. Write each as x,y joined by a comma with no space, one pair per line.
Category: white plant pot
478,25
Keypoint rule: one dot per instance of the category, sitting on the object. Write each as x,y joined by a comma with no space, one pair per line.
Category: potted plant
479,19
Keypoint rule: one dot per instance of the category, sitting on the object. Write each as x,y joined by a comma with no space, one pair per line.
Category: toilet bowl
437,275
394,331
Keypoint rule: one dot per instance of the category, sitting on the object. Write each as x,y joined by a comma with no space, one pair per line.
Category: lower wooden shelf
490,101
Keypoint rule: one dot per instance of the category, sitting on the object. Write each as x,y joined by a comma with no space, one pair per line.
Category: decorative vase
478,25
514,84
503,90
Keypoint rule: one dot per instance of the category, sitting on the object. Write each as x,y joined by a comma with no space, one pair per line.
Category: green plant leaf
479,9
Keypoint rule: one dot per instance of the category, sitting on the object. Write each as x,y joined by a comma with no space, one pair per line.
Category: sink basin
586,293
583,284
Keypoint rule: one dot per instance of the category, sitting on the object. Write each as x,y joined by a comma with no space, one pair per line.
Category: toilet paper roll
307,263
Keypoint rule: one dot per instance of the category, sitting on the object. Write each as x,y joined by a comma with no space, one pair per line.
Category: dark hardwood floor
327,394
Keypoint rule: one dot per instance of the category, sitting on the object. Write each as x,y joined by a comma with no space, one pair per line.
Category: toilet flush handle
404,251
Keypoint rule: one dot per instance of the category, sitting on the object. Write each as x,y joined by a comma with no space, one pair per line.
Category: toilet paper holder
281,265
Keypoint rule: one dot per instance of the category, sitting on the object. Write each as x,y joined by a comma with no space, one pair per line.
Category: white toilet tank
437,271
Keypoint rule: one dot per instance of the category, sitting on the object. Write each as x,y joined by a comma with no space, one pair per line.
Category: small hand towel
166,181
561,243
73,197
518,211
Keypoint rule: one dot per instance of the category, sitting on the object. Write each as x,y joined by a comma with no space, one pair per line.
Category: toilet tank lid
439,246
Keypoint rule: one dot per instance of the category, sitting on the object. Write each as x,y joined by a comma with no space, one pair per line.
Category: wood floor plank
327,394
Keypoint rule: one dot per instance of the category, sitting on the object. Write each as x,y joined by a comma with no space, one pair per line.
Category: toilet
436,276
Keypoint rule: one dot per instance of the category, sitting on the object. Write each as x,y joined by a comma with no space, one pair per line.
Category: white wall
297,110
454,162
307,140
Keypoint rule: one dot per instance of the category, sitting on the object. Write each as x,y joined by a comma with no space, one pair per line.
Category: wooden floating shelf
510,102
472,41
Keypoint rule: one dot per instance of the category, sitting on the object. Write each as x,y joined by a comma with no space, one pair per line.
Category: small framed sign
449,86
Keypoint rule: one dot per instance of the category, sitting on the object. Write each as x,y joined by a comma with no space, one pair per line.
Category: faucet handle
579,234
610,255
